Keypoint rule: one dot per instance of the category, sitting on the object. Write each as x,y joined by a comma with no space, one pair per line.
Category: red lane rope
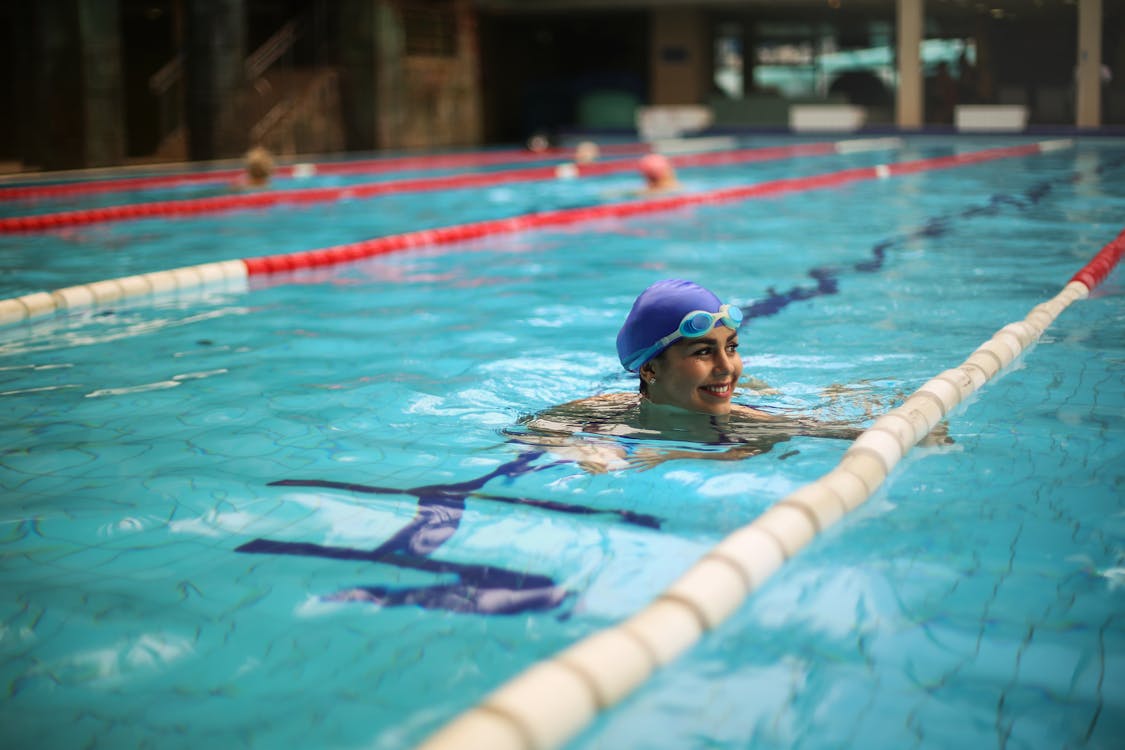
267,198
365,166
461,232
1095,272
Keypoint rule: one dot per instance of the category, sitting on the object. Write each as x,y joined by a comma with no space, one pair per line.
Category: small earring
652,380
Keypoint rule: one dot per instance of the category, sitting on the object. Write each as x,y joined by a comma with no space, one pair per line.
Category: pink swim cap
654,166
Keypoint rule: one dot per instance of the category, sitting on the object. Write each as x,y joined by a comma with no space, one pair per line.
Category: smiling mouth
718,390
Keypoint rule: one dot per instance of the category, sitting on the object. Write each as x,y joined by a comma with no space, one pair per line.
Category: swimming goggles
695,324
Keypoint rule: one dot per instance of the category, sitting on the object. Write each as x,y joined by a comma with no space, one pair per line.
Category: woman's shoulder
594,408
606,400
749,412
585,414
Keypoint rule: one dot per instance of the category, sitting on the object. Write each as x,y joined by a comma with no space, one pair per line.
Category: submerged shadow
483,589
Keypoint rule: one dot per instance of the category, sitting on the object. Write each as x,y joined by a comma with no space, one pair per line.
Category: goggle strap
723,316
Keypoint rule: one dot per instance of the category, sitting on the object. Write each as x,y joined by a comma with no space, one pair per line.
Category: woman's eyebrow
709,340
712,338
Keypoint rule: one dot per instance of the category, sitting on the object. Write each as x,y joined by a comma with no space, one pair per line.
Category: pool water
292,515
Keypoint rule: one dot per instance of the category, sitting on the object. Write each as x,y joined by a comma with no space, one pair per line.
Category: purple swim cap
656,313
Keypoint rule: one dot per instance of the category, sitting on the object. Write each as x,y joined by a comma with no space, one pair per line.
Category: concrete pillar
391,83
908,104
103,105
359,100
680,60
215,49
372,78
1089,104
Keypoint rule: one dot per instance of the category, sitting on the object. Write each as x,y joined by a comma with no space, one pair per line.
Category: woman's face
697,374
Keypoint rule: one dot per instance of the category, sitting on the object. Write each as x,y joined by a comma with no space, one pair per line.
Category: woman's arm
795,426
644,459
806,427
568,431
593,456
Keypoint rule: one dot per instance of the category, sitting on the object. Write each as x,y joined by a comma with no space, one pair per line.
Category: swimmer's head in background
259,164
538,142
586,152
655,167
666,312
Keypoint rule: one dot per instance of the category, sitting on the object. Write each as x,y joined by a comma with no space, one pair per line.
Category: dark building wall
67,84
1034,56
536,68
74,73
150,33
53,131
12,69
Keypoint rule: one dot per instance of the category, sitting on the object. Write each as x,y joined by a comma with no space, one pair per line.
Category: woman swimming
682,341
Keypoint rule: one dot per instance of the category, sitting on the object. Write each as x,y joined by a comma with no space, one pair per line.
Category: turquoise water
976,600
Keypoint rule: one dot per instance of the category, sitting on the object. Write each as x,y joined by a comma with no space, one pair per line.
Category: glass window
728,60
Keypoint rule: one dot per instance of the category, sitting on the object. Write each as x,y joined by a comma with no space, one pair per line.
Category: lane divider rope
189,278
552,701
269,198
38,304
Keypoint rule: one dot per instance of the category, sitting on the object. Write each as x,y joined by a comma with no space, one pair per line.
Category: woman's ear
647,371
